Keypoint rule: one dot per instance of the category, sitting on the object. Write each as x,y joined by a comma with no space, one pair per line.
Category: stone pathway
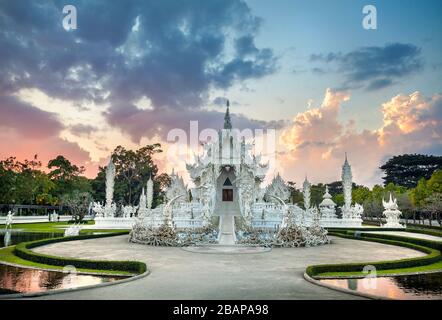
179,274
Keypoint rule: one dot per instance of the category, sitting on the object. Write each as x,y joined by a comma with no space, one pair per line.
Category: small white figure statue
98,209
9,220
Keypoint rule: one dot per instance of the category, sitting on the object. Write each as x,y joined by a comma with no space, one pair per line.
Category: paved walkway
180,274
409,234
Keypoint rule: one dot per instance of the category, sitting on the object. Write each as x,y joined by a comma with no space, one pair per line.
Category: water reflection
11,237
7,238
423,286
23,280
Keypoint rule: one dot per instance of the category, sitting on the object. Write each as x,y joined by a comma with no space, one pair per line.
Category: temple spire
227,121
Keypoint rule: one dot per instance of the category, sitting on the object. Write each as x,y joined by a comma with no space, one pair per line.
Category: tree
295,195
66,176
420,193
160,184
78,204
133,169
434,184
406,170
360,194
8,179
373,208
433,207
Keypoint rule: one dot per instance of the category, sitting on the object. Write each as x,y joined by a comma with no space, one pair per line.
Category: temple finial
227,121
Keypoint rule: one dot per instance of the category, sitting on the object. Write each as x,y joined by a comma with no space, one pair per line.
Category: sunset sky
133,70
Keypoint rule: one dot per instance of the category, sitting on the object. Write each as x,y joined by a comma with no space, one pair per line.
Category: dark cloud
139,123
180,51
375,67
82,129
27,120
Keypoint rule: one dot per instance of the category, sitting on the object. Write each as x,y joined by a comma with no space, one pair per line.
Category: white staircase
226,212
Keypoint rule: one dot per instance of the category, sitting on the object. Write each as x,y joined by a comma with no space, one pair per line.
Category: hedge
431,248
23,251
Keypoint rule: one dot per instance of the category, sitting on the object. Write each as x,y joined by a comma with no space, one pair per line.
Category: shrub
23,250
432,248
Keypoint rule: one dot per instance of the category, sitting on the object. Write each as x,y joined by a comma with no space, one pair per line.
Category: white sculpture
327,207
128,211
54,216
167,212
391,213
177,187
98,209
73,230
357,211
9,220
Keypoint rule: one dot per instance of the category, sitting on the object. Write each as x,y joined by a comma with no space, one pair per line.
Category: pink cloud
316,141
14,144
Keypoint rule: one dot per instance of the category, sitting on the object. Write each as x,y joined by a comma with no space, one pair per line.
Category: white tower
347,182
109,208
306,193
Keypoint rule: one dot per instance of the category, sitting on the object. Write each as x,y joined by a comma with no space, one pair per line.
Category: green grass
56,227
24,251
7,255
31,259
89,231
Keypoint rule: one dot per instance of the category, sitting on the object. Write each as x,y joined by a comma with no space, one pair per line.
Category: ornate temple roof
229,150
327,202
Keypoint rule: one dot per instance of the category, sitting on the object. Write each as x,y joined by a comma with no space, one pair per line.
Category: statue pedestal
392,217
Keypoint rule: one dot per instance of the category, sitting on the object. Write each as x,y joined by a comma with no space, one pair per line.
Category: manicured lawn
7,255
55,227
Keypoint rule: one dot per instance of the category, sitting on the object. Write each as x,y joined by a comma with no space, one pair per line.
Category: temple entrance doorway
227,194
227,190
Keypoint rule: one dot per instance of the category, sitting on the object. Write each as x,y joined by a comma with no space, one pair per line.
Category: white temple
227,180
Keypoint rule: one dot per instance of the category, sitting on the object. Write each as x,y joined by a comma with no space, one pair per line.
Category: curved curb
58,291
381,275
355,293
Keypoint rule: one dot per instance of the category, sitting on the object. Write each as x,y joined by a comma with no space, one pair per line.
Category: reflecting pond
407,287
9,238
24,280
